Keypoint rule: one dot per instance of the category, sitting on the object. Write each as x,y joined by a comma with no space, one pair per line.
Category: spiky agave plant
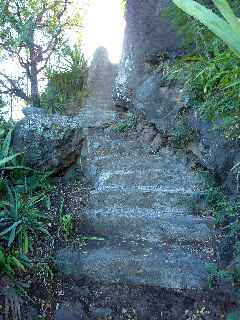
226,27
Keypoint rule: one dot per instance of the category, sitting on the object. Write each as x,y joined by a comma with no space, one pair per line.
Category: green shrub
226,216
66,83
211,83
23,219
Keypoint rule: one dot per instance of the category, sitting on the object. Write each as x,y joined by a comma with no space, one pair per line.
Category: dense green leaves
22,192
66,82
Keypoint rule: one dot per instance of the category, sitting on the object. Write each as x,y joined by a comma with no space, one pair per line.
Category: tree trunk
35,97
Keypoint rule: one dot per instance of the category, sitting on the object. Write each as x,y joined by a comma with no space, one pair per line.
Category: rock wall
150,38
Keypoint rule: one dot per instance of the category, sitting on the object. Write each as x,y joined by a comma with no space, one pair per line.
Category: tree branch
13,87
55,38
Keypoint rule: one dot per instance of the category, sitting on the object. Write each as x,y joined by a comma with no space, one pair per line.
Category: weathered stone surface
100,80
148,36
165,159
100,313
140,88
168,266
215,152
148,180
48,142
70,311
130,198
163,224
160,105
53,142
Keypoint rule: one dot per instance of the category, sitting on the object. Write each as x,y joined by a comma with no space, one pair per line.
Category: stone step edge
153,190
147,189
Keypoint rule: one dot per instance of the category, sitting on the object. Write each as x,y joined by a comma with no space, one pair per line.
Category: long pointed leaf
8,159
217,25
226,11
6,144
9,229
12,237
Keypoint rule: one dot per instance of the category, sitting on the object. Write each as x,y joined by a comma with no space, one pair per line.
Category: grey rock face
215,152
160,105
100,80
148,36
48,142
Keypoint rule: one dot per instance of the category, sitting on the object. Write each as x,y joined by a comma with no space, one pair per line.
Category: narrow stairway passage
141,204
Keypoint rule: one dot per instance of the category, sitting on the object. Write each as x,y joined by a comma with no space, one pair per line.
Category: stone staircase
141,209
141,205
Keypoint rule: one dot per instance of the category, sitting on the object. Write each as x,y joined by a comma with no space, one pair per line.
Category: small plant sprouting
127,124
182,134
66,222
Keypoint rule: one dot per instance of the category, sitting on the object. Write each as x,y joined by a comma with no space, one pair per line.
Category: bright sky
104,26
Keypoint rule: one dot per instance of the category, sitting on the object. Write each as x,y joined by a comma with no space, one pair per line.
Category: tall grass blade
6,144
226,11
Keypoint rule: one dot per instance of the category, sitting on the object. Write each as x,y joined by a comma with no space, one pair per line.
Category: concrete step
93,118
138,263
167,223
150,180
165,160
128,198
174,165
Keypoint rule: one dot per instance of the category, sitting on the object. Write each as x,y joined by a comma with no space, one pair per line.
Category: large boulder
49,142
149,36
160,105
